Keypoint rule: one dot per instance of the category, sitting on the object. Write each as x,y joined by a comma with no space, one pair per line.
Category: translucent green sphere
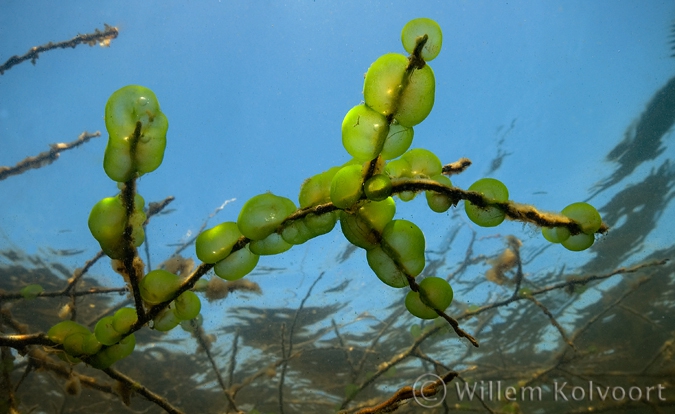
417,28
262,214
390,90
364,132
437,291
494,191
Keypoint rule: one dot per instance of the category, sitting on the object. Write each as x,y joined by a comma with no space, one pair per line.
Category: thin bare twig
90,291
287,352
144,391
554,322
406,393
47,157
103,38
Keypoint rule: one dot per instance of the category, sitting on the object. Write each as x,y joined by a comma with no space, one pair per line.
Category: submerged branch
103,38
47,157
144,391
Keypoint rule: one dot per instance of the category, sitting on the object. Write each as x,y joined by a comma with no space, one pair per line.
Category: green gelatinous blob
423,163
399,168
124,319
316,190
383,84
102,360
346,186
187,306
297,232
108,219
364,132
407,195
418,98
493,190
385,268
363,228
125,347
419,27
237,264
398,141
579,242
402,243
165,321
262,214
585,215
132,150
108,356
270,245
74,343
158,286
91,345
308,227
31,291
61,330
215,244
439,293
555,234
378,187
390,91
439,202
104,331
81,343
321,223
405,242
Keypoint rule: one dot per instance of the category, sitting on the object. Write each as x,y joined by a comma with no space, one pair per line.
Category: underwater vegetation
303,360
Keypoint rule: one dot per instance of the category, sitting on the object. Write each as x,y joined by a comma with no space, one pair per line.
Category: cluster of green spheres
159,286
494,191
101,348
137,138
400,253
137,130
586,216
398,94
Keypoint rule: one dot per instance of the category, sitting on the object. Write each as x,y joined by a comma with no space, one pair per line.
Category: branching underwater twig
406,393
47,157
287,352
144,391
103,38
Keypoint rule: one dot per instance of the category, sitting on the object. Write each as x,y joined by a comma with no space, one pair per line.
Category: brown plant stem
144,391
102,37
406,393
47,157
